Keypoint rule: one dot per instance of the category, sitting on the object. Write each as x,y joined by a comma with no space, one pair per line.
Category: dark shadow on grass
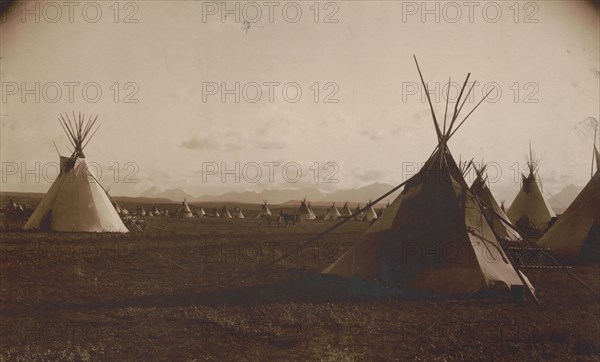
305,287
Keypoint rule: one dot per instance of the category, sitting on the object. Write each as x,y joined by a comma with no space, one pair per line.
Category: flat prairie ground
186,289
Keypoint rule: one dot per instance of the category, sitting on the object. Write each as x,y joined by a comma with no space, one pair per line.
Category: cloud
199,143
421,114
220,140
269,145
9,123
370,175
374,134
587,127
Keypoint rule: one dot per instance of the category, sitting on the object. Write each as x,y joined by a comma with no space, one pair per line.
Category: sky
193,94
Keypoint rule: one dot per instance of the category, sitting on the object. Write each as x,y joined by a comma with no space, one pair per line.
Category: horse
272,218
289,218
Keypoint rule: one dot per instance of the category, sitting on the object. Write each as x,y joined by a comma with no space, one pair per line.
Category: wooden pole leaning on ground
549,256
264,268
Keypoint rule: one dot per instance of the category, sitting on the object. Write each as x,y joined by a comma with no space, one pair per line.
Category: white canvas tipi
238,214
76,202
314,216
264,211
117,207
530,209
225,214
304,212
576,233
346,210
185,210
359,216
333,213
369,214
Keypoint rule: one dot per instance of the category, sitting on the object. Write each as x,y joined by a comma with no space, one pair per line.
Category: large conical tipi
530,209
500,223
185,209
435,212
576,233
304,212
264,211
76,201
332,213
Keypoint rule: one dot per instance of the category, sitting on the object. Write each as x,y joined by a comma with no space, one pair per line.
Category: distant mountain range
563,199
559,202
170,194
355,195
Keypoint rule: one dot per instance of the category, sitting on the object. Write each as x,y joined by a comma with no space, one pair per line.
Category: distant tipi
369,213
238,213
225,214
185,210
346,210
530,209
264,211
359,215
304,212
332,213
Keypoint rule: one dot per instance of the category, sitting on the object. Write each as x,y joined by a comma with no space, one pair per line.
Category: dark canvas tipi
434,237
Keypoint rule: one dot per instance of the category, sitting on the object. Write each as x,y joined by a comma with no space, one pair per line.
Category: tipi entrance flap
493,262
74,207
493,211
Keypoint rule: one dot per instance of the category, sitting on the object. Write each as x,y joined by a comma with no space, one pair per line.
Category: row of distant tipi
304,212
184,211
